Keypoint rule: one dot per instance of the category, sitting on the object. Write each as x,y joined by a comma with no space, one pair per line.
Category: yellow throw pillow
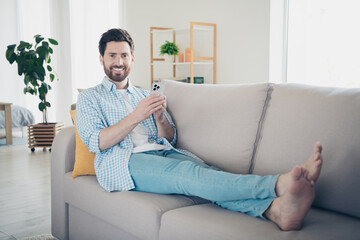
84,160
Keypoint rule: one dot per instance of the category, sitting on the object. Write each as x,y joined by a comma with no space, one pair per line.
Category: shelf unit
194,60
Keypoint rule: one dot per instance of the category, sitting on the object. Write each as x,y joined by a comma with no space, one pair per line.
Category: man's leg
295,191
168,175
253,207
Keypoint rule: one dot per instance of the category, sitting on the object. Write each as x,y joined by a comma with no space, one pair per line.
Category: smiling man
133,137
117,60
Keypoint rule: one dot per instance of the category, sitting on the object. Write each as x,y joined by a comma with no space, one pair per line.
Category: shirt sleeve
89,121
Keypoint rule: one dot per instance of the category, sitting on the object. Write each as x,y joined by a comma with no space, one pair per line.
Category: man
133,137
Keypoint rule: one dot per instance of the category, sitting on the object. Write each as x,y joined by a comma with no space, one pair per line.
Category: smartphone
157,88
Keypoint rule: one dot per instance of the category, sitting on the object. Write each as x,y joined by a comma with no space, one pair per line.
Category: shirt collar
110,86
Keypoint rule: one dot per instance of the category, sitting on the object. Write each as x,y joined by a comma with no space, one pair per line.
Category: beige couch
257,128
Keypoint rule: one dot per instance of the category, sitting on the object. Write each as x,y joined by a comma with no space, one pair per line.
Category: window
323,42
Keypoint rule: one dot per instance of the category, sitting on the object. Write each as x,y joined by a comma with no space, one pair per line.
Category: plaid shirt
101,107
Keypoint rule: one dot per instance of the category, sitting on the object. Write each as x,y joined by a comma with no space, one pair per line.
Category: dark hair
116,35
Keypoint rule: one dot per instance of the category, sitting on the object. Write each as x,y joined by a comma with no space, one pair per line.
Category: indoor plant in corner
34,62
169,49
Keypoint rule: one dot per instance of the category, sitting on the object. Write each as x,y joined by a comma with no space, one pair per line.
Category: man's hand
112,135
159,115
153,103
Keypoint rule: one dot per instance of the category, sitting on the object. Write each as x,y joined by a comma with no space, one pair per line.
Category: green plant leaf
34,82
49,68
53,41
44,87
51,50
11,47
24,45
41,94
35,75
45,44
43,53
10,51
41,71
10,55
48,104
12,58
27,79
41,106
20,68
38,39
52,77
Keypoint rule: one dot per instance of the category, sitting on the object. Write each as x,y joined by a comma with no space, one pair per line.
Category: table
8,128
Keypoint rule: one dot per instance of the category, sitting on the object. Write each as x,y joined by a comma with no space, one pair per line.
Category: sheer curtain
77,25
89,19
323,42
30,24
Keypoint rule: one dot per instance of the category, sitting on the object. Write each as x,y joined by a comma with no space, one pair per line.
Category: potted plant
170,49
34,62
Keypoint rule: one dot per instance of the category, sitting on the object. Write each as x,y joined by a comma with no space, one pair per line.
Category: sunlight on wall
323,46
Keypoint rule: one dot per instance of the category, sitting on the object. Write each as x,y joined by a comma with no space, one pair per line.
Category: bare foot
289,210
314,163
313,168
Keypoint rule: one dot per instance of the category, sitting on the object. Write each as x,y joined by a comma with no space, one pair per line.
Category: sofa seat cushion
218,123
138,213
210,222
296,117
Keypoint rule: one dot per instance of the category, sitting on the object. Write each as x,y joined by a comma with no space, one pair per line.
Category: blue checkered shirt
101,107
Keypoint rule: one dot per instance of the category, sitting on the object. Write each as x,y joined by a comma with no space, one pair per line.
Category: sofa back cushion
296,117
218,123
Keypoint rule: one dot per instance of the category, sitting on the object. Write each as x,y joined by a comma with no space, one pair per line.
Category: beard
117,77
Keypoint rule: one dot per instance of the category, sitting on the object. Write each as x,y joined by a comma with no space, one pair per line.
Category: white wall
242,34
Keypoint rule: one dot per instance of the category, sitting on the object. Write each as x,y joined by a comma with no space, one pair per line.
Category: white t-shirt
138,134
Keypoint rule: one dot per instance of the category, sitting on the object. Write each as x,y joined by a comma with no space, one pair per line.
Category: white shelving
194,60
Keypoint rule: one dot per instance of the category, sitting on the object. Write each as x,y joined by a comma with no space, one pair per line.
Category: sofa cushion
84,160
218,123
299,115
210,222
138,213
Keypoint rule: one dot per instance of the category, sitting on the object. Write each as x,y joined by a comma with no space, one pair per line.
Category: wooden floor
24,192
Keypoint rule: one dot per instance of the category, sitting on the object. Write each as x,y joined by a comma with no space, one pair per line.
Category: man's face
117,61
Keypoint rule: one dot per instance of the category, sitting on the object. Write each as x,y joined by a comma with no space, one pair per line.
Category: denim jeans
170,172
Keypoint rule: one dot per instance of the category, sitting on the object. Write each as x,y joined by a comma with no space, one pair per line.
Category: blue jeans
170,172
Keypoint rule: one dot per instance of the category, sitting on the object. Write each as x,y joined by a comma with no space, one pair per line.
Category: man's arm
114,134
165,130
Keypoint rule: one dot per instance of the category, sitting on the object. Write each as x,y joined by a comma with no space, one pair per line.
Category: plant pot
169,58
42,135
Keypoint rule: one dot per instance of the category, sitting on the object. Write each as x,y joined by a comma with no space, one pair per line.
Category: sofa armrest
62,161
